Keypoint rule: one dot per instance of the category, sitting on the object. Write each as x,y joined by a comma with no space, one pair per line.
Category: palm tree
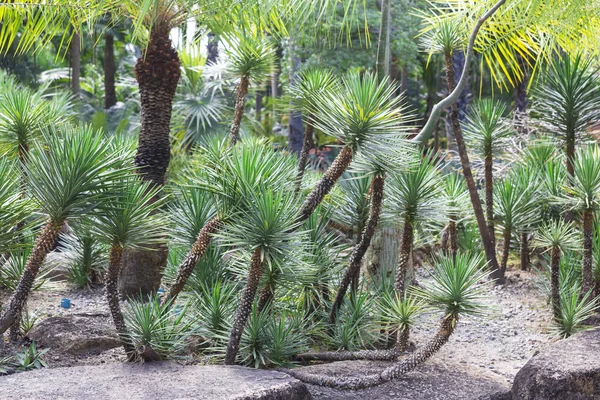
456,194
557,237
266,229
584,187
456,289
127,217
484,129
310,85
67,175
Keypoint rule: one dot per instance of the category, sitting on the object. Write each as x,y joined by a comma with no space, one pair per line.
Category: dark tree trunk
157,73
322,188
42,246
524,251
245,307
586,270
445,240
192,258
490,252
355,262
458,61
240,104
505,249
555,283
112,296
307,144
267,294
383,43
76,64
403,257
212,48
110,94
489,197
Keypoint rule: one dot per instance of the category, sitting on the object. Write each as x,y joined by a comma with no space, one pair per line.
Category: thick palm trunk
524,253
355,262
505,250
110,94
586,270
157,73
488,246
554,278
401,367
42,246
266,296
402,337
112,297
452,238
238,113
307,144
489,197
374,355
403,258
245,307
192,258
335,171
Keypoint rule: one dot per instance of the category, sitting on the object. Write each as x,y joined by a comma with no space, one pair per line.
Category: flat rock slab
162,380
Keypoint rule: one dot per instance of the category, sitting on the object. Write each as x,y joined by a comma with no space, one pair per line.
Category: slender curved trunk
524,253
110,94
586,270
112,297
327,181
240,103
383,43
490,252
403,257
374,355
192,258
452,238
401,367
157,73
355,262
554,278
42,246
505,249
245,307
307,144
489,197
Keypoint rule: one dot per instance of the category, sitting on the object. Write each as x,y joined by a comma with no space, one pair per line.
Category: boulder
156,380
566,370
84,333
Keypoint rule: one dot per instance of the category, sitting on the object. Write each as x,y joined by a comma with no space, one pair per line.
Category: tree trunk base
141,272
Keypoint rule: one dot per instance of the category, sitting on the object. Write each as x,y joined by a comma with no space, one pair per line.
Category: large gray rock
77,333
565,370
157,380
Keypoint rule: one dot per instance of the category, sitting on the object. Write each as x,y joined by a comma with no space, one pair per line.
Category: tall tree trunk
403,257
555,283
157,72
488,246
356,258
245,307
307,144
42,246
322,188
586,270
383,43
458,61
75,64
489,197
238,113
192,258
212,49
110,94
505,249
524,253
112,297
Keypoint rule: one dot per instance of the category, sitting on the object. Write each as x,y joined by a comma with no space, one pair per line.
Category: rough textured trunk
489,197
238,113
76,64
402,337
403,258
356,258
401,367
157,73
490,252
505,250
322,188
245,307
307,144
586,270
554,279
445,240
267,294
374,355
192,258
524,253
42,246
452,238
112,297
110,94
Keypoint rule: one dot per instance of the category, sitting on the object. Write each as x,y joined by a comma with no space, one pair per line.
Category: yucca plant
575,308
310,85
485,128
457,198
126,219
13,266
252,60
67,176
214,306
13,207
400,313
457,289
557,237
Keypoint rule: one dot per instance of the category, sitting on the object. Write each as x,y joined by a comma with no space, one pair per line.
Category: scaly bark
505,250
489,197
401,367
374,355
307,144
112,297
333,173
192,258
554,278
490,252
42,246
266,296
524,246
355,262
110,94
245,307
403,258
402,337
586,270
238,113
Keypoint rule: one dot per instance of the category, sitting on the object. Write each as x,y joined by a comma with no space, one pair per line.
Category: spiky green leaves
13,208
311,84
457,197
250,56
558,234
585,183
574,310
485,127
514,198
190,212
